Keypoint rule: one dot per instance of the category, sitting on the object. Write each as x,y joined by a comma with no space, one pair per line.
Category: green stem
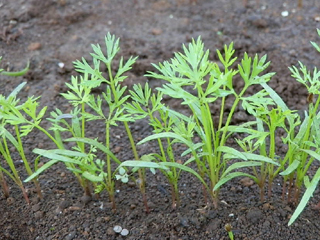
83,124
233,108
48,135
222,140
175,174
60,146
15,177
304,167
25,161
108,157
222,111
132,143
21,151
231,236
141,172
9,160
110,184
271,155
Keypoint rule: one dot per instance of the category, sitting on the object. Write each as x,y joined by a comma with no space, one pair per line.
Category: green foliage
306,143
193,68
107,107
14,114
197,83
14,74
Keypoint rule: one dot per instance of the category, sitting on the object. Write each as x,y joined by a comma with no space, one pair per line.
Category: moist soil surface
52,34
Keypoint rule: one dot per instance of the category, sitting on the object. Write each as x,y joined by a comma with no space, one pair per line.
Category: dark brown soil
60,31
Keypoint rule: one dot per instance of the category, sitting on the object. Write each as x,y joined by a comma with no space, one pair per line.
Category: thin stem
4,185
175,195
271,155
297,194
25,161
21,151
10,163
136,157
83,124
109,175
15,177
233,108
141,172
222,110
226,70
175,176
301,172
283,189
290,188
48,135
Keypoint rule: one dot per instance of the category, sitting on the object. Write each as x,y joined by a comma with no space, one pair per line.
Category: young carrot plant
165,126
307,148
192,68
7,138
262,139
7,121
307,135
108,107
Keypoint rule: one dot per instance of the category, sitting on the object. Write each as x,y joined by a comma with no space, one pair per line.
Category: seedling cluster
215,162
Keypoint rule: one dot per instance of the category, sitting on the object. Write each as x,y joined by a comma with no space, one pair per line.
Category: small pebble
13,22
131,184
246,181
117,229
70,236
266,206
64,204
124,232
85,199
110,231
40,145
36,207
38,215
117,149
34,46
184,222
74,208
35,200
133,206
156,31
10,200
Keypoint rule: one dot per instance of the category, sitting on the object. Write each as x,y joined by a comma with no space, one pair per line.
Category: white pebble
124,232
117,229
